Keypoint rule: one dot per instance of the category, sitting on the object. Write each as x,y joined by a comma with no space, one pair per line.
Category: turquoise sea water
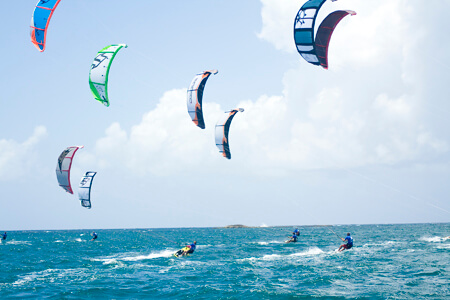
387,262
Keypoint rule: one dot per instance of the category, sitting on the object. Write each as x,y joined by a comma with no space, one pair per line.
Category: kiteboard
180,252
290,241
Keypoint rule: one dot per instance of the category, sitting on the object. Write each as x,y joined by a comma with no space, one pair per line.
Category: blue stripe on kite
313,4
303,37
40,18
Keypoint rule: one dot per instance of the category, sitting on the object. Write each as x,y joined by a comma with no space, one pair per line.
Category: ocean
401,261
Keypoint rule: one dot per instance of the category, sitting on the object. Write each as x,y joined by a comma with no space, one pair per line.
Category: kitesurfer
296,232
293,239
190,248
348,243
94,236
4,235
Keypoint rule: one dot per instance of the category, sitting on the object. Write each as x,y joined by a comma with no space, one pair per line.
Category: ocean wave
49,275
265,257
165,253
106,261
428,273
267,243
272,257
127,257
434,239
310,251
18,243
386,243
24,279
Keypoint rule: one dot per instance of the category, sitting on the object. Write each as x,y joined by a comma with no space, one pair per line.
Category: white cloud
165,140
278,19
361,40
367,109
18,158
268,137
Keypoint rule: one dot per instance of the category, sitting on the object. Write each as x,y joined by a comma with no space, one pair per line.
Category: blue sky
363,142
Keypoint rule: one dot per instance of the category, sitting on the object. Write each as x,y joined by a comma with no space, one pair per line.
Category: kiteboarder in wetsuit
94,236
4,235
349,243
293,239
295,234
190,248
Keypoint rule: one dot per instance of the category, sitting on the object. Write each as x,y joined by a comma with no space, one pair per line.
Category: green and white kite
98,76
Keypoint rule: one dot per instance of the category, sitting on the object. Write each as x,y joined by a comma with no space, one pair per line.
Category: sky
364,142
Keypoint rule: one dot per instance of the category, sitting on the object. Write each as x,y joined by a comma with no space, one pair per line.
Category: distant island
237,226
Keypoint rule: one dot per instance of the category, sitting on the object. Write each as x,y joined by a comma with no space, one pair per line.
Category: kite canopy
98,76
222,129
63,167
315,50
84,191
324,33
40,20
195,97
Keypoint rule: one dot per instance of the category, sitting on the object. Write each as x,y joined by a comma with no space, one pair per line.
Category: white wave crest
271,257
49,275
118,260
310,251
106,261
434,239
269,242
165,253
18,242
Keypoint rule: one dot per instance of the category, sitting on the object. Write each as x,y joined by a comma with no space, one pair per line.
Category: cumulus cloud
361,40
17,158
368,108
278,19
365,110
164,141
268,136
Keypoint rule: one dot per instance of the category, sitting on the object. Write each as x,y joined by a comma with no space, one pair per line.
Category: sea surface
409,261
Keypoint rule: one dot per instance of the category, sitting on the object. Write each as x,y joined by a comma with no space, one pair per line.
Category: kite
63,167
195,96
84,191
315,50
222,129
39,22
98,76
